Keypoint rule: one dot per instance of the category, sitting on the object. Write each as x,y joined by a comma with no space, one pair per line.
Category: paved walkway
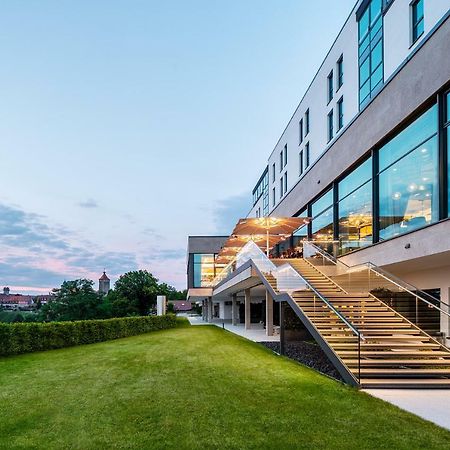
430,404
256,334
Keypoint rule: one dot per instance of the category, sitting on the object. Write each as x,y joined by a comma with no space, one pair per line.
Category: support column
282,330
204,310
234,309
269,314
247,309
210,309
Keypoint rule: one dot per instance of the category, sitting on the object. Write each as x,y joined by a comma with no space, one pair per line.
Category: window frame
330,87
307,123
340,72
300,131
340,114
414,22
330,125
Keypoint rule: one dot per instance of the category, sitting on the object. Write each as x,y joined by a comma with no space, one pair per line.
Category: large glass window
417,20
330,86
330,125
340,72
355,208
370,26
408,178
322,213
447,127
203,269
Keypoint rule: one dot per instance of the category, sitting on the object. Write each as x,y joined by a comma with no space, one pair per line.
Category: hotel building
365,161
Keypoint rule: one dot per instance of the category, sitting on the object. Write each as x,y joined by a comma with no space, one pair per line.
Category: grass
191,387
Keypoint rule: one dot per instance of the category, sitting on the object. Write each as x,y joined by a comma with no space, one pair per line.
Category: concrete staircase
394,353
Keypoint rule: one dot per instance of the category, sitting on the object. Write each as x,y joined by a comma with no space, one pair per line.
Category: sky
126,126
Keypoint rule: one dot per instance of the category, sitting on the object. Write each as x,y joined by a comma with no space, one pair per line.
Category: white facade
396,47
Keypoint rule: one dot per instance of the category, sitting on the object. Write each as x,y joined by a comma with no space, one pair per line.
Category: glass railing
419,307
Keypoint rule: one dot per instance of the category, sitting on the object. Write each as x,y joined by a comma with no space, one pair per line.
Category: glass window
355,217
281,160
322,226
417,21
447,120
330,125
416,133
203,269
273,197
307,155
285,154
300,162
356,178
307,122
330,86
340,106
409,191
340,69
285,183
281,187
300,131
370,29
273,173
322,203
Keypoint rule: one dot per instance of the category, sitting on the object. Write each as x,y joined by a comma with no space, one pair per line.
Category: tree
135,293
74,300
171,293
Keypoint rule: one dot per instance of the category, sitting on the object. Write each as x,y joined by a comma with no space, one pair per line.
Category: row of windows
339,79
262,188
404,172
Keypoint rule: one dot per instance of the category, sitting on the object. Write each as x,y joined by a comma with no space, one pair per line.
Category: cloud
88,204
228,211
33,252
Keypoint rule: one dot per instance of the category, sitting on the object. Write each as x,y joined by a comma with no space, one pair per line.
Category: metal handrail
387,276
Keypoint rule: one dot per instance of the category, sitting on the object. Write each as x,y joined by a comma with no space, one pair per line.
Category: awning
266,232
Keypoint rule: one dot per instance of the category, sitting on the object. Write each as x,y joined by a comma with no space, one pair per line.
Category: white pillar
445,320
247,309
234,309
269,314
161,305
210,309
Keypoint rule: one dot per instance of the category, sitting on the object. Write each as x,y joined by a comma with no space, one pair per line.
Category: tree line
134,294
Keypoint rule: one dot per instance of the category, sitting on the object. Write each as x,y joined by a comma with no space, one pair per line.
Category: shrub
16,338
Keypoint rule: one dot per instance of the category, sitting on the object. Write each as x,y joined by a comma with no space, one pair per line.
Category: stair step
397,362
390,345
403,372
391,354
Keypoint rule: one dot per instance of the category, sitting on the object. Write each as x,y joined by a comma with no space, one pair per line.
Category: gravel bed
307,353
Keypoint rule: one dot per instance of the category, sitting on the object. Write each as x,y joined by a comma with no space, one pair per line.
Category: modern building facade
366,154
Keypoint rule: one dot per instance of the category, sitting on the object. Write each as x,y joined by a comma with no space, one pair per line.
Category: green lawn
191,387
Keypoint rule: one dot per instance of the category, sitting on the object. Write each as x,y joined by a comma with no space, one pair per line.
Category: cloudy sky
126,125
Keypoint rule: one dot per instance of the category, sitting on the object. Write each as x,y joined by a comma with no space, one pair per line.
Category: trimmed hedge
16,338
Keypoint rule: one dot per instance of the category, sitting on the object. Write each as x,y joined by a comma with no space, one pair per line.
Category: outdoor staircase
393,352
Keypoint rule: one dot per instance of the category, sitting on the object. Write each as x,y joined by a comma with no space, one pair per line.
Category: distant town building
104,284
181,305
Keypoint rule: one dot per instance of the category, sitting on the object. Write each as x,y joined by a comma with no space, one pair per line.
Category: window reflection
203,269
355,219
409,191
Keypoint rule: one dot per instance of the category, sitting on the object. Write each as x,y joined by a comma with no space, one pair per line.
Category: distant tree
171,293
134,294
74,300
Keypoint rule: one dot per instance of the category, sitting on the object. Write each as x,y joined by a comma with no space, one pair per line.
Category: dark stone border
307,353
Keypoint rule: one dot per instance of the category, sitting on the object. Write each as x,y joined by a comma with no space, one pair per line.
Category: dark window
273,173
300,162
281,160
330,125
409,178
281,187
330,86
285,154
307,122
307,155
340,72
273,197
285,183
370,47
417,20
340,108
300,131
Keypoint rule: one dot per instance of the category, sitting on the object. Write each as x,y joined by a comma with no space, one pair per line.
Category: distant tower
104,284
6,291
